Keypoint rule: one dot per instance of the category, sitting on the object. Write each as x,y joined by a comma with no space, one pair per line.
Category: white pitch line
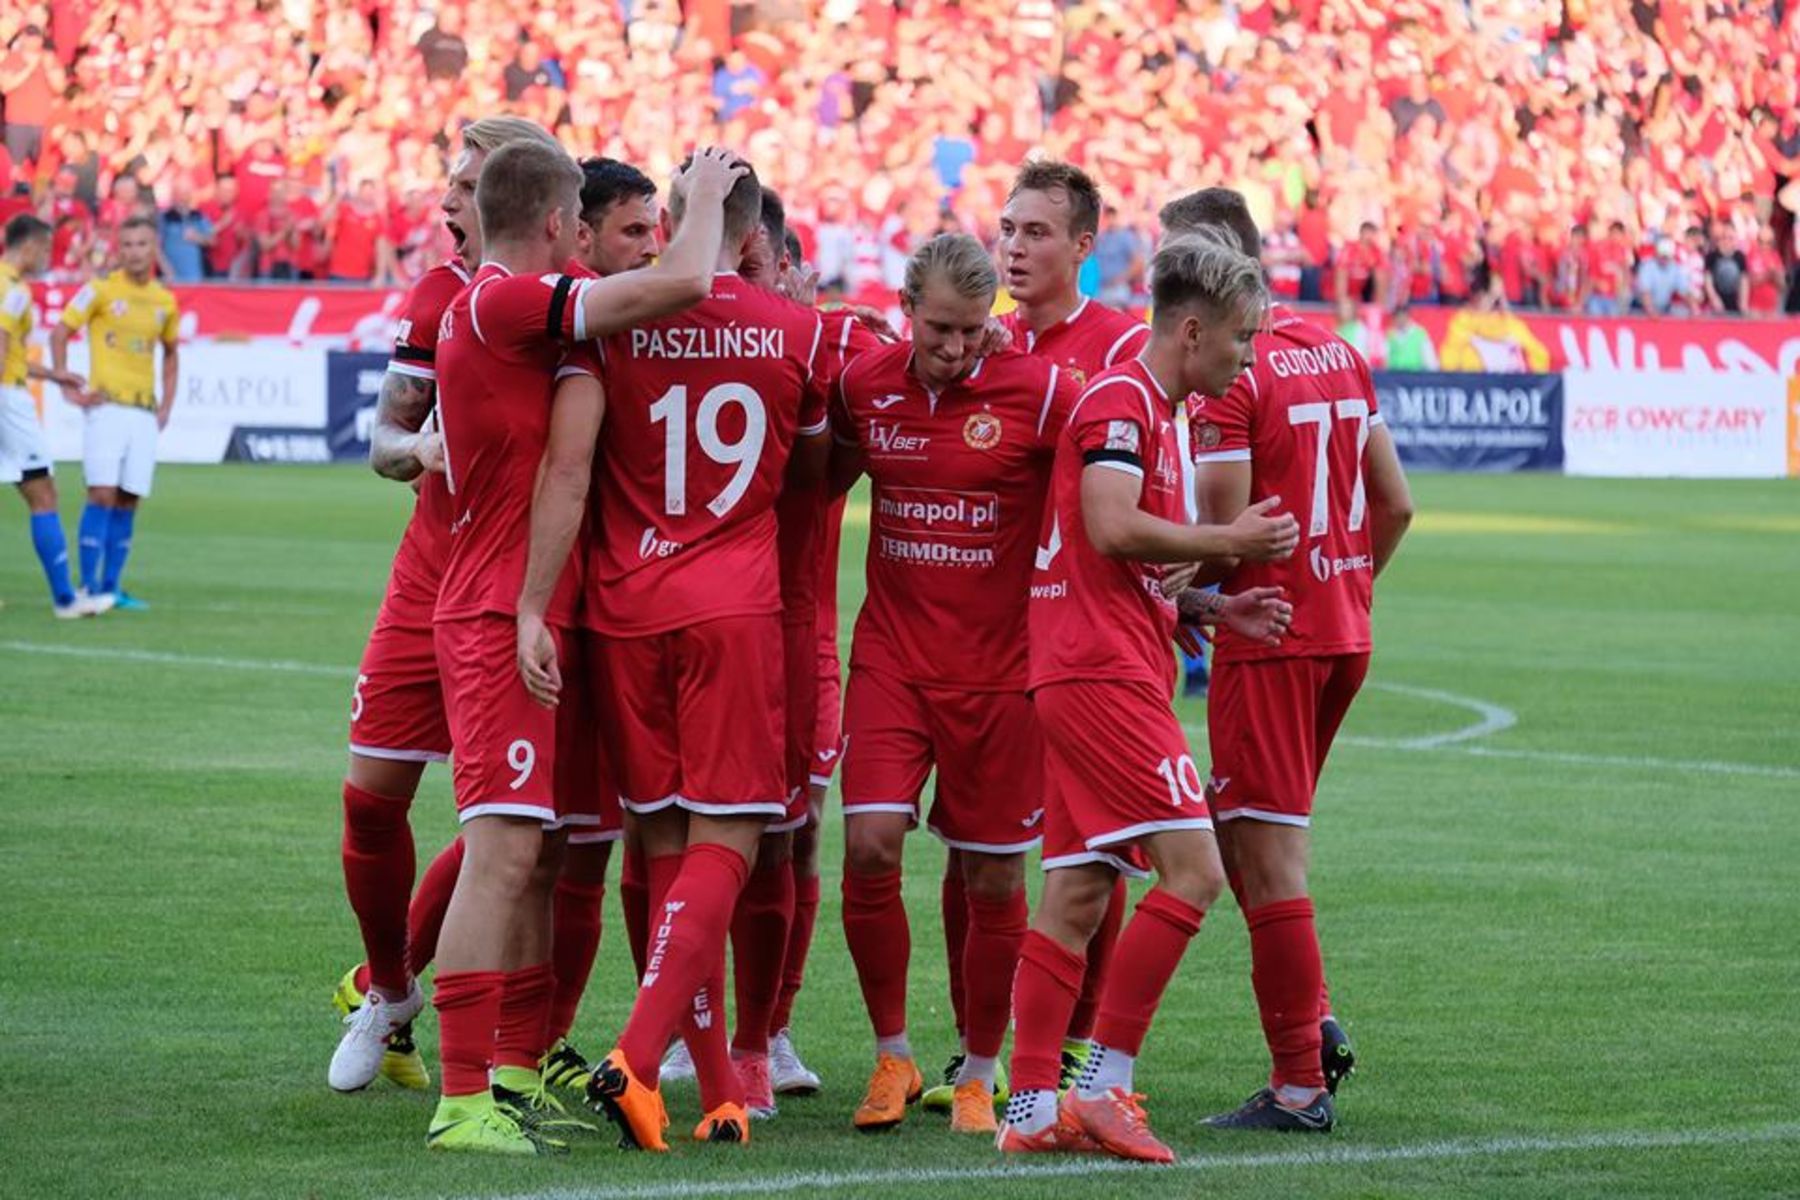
1452,742
122,654
1079,1167
1494,718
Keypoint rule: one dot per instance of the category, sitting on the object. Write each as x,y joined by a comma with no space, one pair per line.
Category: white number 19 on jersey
743,454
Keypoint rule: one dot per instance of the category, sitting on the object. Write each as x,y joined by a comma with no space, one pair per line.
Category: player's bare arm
557,506
683,276
846,467
1390,499
1118,528
78,395
1221,492
1260,614
171,380
809,463
397,448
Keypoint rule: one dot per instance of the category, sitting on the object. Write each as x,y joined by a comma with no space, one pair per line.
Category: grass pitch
1555,867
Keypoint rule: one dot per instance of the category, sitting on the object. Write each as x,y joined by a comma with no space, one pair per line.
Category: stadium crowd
1593,155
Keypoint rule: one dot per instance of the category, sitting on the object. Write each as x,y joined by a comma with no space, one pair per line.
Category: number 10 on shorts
1183,778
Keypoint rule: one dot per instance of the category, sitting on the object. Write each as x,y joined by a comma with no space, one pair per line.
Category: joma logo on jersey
1326,569
888,439
651,546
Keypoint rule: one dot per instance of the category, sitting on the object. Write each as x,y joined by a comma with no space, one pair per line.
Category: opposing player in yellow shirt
24,460
127,315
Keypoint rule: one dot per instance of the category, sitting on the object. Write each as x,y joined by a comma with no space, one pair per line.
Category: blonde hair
1205,268
962,262
490,133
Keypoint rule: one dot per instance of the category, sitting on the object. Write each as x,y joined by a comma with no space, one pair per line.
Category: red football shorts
828,731
1118,767
505,761
985,746
698,718
800,668
586,797
397,705
1271,723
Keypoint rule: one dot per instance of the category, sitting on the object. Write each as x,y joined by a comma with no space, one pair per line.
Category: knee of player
993,876
872,848
1198,882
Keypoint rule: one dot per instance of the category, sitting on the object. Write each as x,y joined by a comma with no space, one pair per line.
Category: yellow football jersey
125,322
17,318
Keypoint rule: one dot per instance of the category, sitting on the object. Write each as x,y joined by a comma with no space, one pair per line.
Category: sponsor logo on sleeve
1122,435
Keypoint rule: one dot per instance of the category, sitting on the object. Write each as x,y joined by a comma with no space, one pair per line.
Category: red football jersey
1094,617
702,410
426,543
959,479
502,347
1088,341
808,535
1301,417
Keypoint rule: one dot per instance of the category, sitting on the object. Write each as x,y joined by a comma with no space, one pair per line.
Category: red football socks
953,896
703,1029
880,946
634,900
759,943
1044,991
793,965
996,928
431,900
468,1010
378,875
1149,950
686,945
574,941
522,1034
1099,954
1287,975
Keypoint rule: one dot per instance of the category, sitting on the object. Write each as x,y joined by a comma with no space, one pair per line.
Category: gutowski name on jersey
729,341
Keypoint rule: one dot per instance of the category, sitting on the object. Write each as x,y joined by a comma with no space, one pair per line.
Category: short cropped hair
795,250
743,204
774,220
24,228
490,133
960,260
1213,206
1073,182
520,184
138,221
607,181
1204,269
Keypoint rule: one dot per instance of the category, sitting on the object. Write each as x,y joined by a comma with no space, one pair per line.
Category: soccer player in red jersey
1301,424
396,707
1122,786
709,413
958,449
520,412
1046,231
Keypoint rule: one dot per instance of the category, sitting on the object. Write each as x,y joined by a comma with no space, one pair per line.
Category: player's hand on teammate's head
873,320
995,338
1259,614
1262,537
537,661
799,283
710,171
1176,577
429,450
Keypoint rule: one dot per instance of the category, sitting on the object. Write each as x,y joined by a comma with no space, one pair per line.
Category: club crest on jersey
982,431
1208,435
120,308
1076,373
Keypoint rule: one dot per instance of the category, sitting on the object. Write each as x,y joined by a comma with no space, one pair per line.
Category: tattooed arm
401,447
